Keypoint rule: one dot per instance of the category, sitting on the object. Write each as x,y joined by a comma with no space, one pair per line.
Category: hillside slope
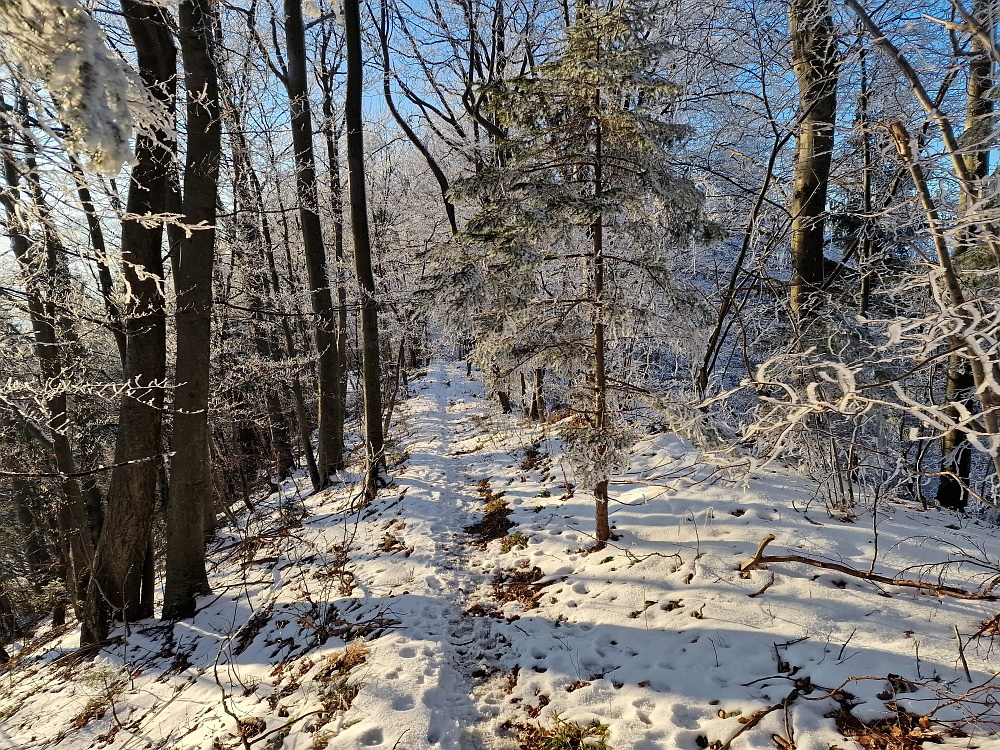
463,610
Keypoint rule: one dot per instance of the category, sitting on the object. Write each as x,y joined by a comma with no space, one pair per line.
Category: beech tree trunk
814,59
193,261
956,453
370,365
330,457
121,551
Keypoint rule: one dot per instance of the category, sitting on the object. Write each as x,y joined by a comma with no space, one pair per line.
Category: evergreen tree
582,200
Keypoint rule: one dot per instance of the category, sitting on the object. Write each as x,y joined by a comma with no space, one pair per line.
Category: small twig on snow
961,653
763,588
755,718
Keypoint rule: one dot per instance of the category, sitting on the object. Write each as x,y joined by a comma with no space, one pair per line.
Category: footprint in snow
407,653
402,703
684,717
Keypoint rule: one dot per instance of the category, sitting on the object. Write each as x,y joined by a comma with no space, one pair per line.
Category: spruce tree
582,182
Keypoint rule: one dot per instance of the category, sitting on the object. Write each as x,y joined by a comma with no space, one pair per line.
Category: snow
58,42
656,636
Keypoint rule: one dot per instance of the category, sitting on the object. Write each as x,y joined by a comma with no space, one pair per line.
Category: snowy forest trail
403,626
445,651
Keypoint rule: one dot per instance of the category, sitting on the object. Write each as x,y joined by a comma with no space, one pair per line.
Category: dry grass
562,735
336,687
495,523
904,731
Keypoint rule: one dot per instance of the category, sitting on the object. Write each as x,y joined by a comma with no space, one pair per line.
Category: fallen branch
763,588
754,719
961,653
759,558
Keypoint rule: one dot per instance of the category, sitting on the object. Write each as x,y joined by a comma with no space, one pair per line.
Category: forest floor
464,609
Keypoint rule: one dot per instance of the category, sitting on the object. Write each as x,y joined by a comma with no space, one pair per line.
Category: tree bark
331,443
99,246
370,365
537,411
115,583
193,262
814,59
956,453
603,529
983,380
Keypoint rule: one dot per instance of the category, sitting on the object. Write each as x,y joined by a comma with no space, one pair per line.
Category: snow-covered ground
385,626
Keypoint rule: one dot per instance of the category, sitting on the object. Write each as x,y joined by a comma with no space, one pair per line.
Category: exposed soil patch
518,586
496,523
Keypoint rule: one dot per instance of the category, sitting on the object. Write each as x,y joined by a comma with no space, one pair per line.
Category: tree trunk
121,551
956,453
537,411
331,443
400,377
370,365
603,529
332,136
101,251
867,242
984,380
814,59
191,475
